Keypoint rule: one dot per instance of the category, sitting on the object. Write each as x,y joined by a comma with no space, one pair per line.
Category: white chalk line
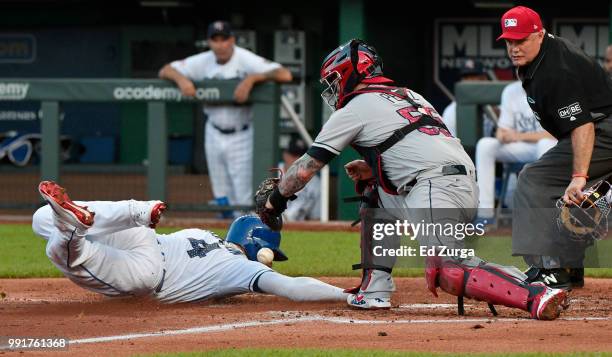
27,300
318,318
431,306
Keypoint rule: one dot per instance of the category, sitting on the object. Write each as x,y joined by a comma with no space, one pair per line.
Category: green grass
299,352
22,254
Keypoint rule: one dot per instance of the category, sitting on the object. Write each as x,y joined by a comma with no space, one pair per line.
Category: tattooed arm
298,175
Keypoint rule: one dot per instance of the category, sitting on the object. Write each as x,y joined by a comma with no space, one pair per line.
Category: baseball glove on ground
268,190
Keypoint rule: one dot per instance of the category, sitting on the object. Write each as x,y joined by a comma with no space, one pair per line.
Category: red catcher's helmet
348,65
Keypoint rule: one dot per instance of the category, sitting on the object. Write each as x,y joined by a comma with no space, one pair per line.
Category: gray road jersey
371,118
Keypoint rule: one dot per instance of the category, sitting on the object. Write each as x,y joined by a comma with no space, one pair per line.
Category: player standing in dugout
571,95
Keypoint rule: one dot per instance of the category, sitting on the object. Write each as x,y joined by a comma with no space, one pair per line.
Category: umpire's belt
232,130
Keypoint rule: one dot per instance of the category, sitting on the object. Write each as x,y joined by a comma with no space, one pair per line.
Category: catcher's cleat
547,304
375,291
147,213
66,211
372,303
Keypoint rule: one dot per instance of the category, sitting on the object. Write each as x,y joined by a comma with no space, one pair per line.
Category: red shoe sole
52,191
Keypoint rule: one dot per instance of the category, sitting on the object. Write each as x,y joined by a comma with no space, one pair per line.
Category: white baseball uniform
116,257
229,156
515,114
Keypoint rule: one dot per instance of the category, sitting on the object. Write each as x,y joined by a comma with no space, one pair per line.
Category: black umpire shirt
565,87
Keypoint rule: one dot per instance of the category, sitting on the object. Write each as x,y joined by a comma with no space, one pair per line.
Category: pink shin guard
484,283
495,287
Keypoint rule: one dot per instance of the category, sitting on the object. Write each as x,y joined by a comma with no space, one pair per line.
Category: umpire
571,95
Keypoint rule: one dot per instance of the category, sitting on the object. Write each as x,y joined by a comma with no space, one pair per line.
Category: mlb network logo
510,23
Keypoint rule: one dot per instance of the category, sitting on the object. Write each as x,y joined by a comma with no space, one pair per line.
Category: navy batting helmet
252,234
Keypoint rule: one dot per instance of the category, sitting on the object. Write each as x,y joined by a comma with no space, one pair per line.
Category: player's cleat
147,213
548,303
372,303
66,211
532,273
375,291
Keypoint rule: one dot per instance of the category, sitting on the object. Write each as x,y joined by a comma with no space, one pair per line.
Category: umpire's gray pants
540,185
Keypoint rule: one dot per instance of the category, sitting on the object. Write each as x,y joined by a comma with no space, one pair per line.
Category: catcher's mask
348,65
587,221
252,234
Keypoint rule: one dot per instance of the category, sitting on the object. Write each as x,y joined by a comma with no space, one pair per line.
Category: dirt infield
418,322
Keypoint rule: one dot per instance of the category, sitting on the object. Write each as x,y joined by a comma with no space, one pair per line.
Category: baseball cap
219,28
519,22
471,67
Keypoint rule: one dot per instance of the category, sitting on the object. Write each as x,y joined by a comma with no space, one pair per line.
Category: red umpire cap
519,22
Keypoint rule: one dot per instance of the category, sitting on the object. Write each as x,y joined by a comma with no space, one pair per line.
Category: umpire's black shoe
577,277
553,278
532,273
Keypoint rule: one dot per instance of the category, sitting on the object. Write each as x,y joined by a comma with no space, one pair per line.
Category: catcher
416,166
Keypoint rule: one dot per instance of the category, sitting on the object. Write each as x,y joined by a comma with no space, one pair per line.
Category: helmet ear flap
375,66
355,54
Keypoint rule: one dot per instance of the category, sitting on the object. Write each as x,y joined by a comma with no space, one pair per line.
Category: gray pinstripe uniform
370,118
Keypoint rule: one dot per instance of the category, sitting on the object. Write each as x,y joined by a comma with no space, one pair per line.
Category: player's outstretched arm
299,289
299,174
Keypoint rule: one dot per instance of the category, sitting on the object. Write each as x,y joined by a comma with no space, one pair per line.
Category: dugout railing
265,99
470,97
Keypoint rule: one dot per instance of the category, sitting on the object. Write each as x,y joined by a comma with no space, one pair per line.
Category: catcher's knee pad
494,286
452,278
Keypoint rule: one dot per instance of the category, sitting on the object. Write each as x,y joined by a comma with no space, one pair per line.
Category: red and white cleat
147,213
67,211
547,305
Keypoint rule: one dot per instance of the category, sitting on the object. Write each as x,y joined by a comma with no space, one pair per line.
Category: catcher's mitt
268,190
589,220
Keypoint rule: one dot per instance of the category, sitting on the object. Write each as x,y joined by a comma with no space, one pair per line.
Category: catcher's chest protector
373,155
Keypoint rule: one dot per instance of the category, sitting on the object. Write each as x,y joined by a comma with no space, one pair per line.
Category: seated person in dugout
519,138
111,248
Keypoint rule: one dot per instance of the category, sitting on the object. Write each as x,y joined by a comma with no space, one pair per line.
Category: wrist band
580,175
278,201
